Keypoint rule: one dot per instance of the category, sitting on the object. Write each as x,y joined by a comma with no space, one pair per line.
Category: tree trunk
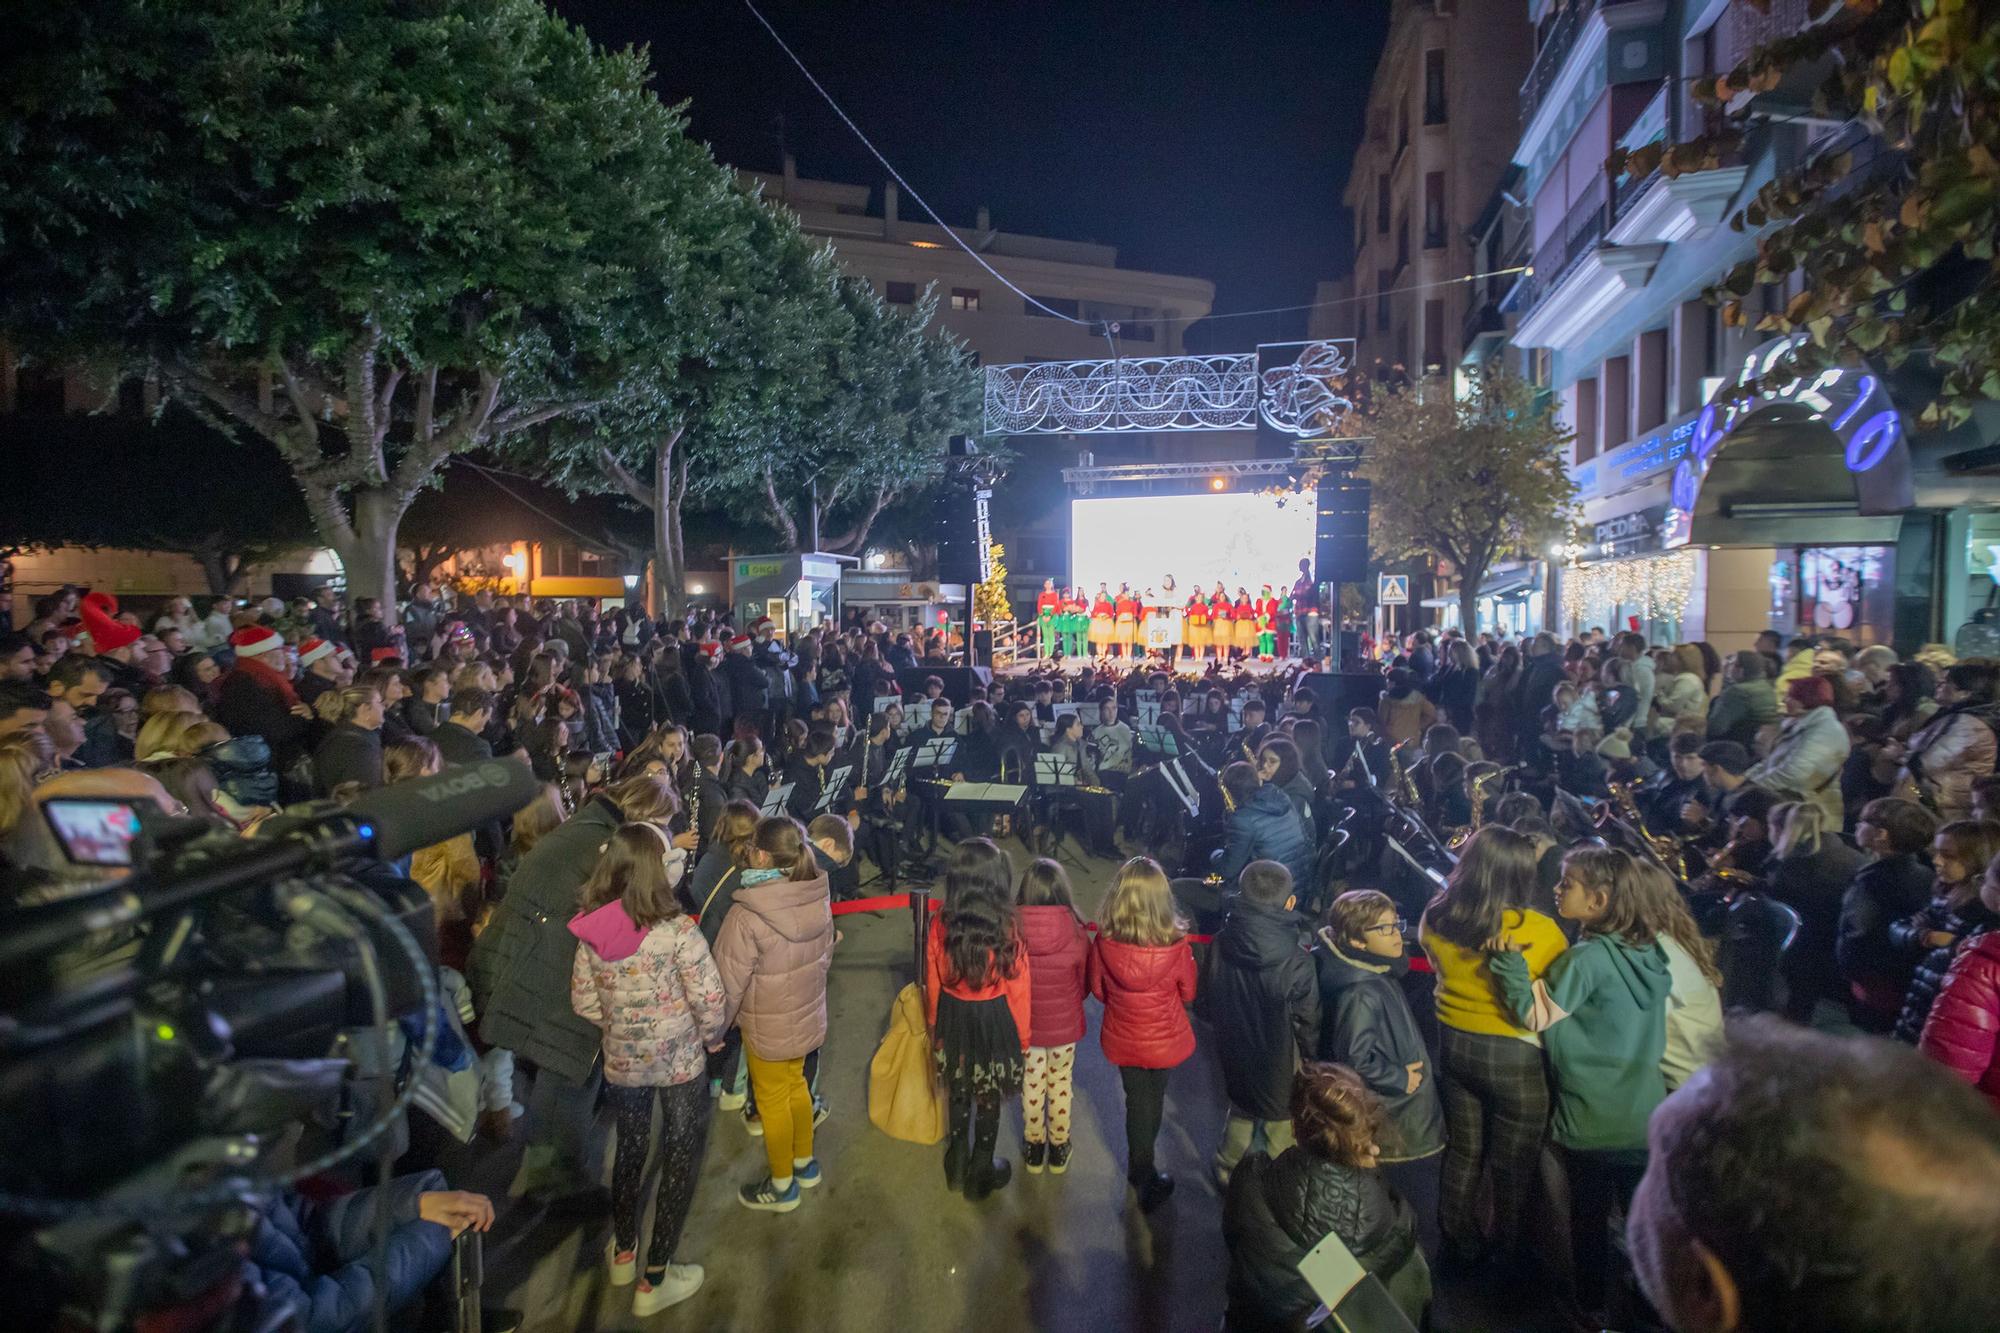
1469,580
370,556
223,571
670,474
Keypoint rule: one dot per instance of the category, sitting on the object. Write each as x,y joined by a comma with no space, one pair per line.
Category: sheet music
935,752
899,767
1052,770
1066,710
774,802
1331,1270
835,785
882,701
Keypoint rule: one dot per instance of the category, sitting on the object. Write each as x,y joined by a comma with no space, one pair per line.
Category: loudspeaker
958,682
1338,692
1340,552
955,521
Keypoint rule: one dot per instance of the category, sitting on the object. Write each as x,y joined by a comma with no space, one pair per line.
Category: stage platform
1185,669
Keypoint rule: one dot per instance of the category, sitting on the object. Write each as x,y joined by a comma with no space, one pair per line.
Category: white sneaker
733,1101
681,1281
622,1270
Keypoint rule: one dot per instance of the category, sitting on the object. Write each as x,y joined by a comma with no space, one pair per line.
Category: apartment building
1811,506
1440,130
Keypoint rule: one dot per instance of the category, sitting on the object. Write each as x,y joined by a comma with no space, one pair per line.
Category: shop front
1806,508
797,591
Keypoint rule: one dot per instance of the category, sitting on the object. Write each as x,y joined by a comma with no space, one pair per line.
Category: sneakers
1034,1156
808,1175
679,1282
1058,1158
753,1122
732,1101
766,1197
624,1267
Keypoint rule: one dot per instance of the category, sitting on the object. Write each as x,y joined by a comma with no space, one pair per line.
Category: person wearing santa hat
320,661
112,641
254,697
748,696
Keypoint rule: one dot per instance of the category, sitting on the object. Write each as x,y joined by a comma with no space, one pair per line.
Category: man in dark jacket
749,693
520,975
1534,692
1263,1003
1264,825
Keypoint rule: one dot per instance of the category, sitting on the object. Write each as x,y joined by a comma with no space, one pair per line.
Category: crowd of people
1462,953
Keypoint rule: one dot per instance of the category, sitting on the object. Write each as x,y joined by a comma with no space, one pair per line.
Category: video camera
201,997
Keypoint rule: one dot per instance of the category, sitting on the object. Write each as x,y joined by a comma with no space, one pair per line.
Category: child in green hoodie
1602,1011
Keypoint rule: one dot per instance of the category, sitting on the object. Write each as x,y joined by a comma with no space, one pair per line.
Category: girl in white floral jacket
645,976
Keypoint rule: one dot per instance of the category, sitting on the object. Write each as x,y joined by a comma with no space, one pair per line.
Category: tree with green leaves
695,405
370,233
867,426
1897,233
1469,478
126,482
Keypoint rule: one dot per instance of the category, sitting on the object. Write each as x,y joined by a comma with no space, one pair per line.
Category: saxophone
1664,848
1480,785
1402,789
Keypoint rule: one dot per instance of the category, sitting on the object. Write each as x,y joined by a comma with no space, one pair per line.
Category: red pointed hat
312,650
254,639
98,613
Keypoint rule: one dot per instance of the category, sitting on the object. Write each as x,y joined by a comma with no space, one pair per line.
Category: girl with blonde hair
1143,972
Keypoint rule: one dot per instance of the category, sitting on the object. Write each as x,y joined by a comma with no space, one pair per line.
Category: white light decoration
1658,587
1305,398
1136,394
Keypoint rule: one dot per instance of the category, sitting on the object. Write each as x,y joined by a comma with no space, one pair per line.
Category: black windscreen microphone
419,812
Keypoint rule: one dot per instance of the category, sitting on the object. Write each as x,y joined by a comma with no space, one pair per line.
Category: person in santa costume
1048,606
113,642
254,697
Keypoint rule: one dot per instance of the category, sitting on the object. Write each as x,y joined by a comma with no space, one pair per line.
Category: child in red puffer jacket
1143,971
1058,953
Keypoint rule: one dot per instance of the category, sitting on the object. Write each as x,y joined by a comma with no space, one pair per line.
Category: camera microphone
421,812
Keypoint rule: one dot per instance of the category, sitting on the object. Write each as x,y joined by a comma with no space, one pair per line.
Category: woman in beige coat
774,950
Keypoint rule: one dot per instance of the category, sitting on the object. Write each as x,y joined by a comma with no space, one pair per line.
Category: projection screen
1245,540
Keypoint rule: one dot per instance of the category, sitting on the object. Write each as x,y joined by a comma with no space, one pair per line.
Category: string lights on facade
1656,587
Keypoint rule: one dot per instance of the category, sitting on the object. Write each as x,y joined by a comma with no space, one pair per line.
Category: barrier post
920,920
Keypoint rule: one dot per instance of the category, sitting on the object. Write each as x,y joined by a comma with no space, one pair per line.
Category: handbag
904,1101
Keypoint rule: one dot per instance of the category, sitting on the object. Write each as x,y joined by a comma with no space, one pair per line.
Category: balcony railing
1564,29
1581,230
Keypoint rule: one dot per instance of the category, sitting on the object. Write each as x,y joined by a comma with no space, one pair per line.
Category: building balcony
1565,28
1578,279
1483,324
1678,208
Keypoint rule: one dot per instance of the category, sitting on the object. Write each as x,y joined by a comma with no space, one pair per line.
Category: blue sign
1393,590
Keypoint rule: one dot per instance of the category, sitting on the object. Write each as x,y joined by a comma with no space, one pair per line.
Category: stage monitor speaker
955,519
1340,553
1336,693
958,682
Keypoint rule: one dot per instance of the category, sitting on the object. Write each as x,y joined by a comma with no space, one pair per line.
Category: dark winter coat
1965,923
424,719
1884,892
1813,886
1145,991
348,753
600,718
1058,951
318,1256
1263,1004
1366,1024
520,966
1267,827
1539,679
1277,1211
749,688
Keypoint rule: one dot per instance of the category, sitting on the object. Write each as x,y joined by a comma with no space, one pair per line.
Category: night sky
1202,138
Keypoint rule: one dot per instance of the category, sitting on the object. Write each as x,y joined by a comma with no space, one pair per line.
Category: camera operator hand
456,1210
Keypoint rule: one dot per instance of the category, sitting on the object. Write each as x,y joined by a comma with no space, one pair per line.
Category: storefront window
1844,590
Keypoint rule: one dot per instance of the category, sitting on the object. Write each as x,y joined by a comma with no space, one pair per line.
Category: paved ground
881,1245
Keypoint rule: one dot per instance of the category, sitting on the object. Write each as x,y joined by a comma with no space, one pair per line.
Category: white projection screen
1243,539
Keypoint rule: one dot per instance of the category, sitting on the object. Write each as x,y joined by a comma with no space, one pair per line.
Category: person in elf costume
1048,605
1284,626
1267,617
1126,635
1243,623
1219,632
1197,626
1102,614
1075,622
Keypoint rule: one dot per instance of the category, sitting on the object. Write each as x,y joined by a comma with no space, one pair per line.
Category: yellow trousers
785,1104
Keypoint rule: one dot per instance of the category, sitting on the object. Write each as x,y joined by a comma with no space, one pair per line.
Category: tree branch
626,480
780,518
851,539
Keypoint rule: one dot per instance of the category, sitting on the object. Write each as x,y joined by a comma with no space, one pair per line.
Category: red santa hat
381,655
711,649
762,623
106,632
741,642
312,650
252,640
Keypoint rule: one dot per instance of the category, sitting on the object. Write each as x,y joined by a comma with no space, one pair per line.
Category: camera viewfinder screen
93,832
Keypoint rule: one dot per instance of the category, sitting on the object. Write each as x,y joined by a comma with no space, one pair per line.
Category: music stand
1160,741
898,771
835,784
774,800
1066,710
934,754
882,701
1181,786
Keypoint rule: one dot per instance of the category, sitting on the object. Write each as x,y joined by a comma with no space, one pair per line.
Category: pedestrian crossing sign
1394,590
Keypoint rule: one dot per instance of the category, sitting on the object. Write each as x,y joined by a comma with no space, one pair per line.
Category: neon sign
1851,402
